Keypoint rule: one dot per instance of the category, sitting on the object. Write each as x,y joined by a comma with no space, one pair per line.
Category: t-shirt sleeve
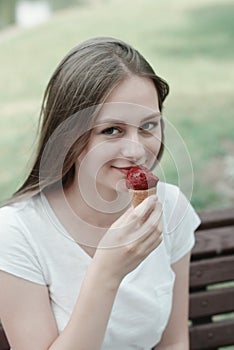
180,227
17,254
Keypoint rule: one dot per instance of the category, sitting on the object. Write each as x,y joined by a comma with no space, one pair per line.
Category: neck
95,210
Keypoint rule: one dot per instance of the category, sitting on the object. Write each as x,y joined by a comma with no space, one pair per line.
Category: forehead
135,98
127,113
135,89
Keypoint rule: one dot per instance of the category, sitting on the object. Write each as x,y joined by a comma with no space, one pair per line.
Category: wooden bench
211,303
212,282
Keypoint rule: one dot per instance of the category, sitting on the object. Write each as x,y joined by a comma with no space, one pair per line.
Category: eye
148,126
111,131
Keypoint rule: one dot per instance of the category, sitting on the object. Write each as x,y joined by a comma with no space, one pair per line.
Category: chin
121,187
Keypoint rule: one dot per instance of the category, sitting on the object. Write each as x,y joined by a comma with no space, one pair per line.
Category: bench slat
211,302
213,335
216,218
213,242
214,270
3,340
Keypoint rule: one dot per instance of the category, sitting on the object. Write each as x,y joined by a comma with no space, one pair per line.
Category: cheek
152,147
153,143
96,156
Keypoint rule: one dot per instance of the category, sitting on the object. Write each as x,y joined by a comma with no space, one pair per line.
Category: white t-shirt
35,246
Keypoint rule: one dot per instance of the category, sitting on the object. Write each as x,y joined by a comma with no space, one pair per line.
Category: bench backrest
212,282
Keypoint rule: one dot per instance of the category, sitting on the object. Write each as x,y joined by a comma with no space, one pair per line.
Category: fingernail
153,198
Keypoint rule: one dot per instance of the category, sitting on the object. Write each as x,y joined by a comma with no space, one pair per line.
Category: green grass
190,44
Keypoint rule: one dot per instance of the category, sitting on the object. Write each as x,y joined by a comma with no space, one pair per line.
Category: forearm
179,346
87,325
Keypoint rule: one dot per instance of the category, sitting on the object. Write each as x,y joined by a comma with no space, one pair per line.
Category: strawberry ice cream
141,184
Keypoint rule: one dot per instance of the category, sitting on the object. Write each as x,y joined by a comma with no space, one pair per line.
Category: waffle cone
137,196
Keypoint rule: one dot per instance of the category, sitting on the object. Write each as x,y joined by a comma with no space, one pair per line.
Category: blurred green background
190,44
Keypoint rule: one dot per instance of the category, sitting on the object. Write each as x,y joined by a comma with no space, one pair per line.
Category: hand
130,239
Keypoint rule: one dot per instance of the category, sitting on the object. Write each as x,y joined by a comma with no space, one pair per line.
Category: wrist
104,275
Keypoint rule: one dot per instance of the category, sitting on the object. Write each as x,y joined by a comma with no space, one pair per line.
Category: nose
133,149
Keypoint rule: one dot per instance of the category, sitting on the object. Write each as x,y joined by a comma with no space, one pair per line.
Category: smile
123,170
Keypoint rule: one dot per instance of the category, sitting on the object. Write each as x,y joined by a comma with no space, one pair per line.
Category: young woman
80,268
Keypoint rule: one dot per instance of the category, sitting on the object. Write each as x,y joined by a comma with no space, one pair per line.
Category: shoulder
19,253
177,208
10,215
16,216
180,220
168,194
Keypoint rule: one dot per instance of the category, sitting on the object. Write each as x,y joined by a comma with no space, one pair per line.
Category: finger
153,243
134,217
153,223
153,237
150,244
128,227
144,232
123,220
143,210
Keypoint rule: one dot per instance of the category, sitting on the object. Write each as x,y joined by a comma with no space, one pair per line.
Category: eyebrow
117,121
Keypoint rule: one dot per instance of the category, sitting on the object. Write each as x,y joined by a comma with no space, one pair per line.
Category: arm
25,308
25,313
175,336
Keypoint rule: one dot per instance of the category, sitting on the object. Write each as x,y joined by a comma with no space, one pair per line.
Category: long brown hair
83,79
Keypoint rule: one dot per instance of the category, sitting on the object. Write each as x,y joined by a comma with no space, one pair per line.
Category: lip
123,170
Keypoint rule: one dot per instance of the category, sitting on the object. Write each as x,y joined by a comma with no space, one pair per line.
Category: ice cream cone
137,196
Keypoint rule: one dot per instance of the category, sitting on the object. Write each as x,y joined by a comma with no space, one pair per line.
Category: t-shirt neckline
54,220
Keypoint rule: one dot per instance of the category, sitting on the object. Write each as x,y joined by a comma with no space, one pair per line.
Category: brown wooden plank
3,340
213,335
216,218
214,270
214,241
211,302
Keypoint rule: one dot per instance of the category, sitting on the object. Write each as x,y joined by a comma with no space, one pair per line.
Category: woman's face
127,133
